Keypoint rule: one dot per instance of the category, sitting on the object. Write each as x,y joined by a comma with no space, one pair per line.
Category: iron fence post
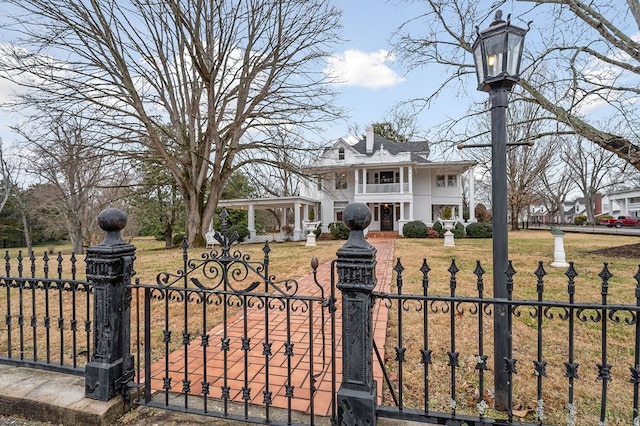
356,263
109,268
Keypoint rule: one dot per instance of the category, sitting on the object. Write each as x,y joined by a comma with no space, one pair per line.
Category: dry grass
291,260
525,250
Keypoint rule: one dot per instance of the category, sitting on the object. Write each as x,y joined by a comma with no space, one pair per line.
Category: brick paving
283,374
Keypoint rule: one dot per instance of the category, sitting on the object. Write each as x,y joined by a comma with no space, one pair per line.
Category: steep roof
393,147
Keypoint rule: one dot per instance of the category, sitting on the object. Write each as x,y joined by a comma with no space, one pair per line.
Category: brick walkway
305,333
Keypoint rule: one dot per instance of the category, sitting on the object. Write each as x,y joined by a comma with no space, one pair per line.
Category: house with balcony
625,203
397,181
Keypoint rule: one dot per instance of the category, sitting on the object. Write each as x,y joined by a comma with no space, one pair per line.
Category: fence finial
112,221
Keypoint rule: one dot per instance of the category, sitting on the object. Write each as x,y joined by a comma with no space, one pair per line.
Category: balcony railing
382,188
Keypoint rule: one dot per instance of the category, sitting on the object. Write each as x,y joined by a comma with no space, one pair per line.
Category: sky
374,79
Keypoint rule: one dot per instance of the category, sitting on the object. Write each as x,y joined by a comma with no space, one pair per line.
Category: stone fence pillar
109,268
356,265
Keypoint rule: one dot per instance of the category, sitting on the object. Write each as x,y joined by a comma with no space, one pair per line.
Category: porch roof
267,203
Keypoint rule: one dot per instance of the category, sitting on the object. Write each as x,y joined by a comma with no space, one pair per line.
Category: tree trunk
76,238
26,231
168,236
194,224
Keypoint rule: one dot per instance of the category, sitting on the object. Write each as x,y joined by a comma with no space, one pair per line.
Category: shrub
339,230
177,239
580,219
243,232
458,230
479,230
318,230
432,233
414,229
437,227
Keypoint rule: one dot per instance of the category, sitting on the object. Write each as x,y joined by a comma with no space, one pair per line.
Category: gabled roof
393,147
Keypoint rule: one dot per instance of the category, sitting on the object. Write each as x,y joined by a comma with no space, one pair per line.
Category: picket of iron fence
47,314
586,358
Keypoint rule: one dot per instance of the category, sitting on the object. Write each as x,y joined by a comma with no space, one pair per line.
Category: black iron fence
558,349
223,337
47,313
573,355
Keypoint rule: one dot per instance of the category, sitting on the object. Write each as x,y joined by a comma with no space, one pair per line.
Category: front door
386,217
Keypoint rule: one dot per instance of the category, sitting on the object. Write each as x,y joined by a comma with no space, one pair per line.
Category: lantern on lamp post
497,53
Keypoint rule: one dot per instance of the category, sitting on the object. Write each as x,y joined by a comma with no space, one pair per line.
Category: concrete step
53,397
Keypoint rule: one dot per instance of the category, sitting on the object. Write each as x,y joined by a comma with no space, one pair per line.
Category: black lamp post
497,53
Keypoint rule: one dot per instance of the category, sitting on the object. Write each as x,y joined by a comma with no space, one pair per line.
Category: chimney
369,141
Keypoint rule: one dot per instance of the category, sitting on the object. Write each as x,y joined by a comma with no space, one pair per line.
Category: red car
621,221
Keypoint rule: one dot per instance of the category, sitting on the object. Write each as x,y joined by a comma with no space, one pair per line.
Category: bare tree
5,179
556,184
586,56
198,81
590,169
65,153
525,163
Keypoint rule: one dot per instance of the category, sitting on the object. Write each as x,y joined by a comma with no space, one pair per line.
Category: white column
357,172
297,230
364,181
411,211
401,211
401,180
251,220
624,211
472,194
411,180
283,222
305,212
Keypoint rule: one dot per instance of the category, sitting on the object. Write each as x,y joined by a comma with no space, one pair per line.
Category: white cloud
358,68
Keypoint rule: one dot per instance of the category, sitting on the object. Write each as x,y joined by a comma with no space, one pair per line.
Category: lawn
526,249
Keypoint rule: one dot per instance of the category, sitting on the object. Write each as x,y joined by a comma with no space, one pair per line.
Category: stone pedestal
559,259
310,228
449,238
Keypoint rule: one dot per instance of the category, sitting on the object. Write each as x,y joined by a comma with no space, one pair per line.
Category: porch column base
357,407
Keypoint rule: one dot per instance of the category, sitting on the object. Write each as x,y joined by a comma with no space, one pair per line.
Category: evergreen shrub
339,230
415,229
479,230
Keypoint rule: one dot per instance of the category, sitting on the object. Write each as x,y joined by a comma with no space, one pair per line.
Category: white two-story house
397,181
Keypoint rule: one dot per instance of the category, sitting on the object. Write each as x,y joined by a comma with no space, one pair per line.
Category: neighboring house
539,212
622,203
397,181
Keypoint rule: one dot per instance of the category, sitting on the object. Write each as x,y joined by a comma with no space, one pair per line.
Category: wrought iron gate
222,337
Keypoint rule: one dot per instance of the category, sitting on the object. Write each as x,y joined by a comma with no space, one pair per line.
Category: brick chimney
597,208
369,140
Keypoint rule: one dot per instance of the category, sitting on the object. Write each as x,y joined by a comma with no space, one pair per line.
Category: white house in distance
397,181
622,203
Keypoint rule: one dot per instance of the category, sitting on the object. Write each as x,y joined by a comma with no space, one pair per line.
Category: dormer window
340,153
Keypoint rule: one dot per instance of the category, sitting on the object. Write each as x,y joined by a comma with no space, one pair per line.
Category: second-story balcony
382,188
